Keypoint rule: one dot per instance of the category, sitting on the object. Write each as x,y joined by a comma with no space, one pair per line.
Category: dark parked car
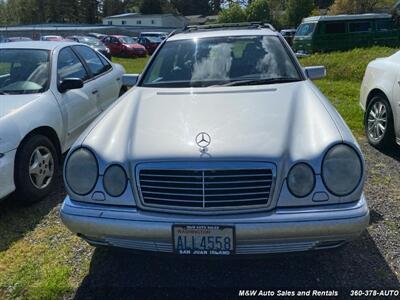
289,34
96,35
121,45
93,43
150,43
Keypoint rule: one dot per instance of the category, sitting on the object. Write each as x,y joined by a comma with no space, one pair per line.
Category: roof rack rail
222,26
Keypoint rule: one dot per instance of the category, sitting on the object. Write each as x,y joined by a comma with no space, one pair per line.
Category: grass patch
132,65
350,65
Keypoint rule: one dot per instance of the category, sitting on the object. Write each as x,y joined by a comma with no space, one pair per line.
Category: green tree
150,7
233,14
358,6
258,10
296,10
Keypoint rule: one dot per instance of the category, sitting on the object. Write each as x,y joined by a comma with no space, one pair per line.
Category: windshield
306,29
24,71
127,40
91,41
206,62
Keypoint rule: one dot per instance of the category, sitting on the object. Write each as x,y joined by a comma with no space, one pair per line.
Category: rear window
306,29
360,27
385,25
335,28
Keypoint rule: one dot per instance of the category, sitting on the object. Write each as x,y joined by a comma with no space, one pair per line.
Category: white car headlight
342,170
81,171
301,180
115,181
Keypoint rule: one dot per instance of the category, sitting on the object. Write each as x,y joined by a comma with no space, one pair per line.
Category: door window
360,27
69,66
335,28
91,59
386,25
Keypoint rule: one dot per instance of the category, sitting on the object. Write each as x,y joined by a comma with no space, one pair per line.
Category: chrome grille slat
209,189
207,176
205,188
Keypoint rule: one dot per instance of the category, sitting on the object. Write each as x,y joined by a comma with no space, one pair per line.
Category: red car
151,43
121,45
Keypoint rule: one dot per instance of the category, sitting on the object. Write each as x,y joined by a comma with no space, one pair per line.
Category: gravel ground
372,262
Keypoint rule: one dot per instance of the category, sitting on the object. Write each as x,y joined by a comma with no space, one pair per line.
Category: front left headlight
342,170
81,171
301,180
115,180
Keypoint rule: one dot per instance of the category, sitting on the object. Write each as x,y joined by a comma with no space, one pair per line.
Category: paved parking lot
370,262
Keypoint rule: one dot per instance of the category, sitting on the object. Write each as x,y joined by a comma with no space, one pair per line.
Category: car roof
37,45
348,17
187,35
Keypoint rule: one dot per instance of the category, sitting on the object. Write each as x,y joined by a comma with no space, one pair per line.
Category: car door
107,84
115,45
79,107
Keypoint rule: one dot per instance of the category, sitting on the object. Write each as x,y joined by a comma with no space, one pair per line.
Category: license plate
203,239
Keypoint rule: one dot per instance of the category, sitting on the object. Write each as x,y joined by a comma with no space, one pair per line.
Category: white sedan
380,94
49,93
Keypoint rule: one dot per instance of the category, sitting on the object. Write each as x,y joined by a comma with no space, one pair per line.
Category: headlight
81,171
342,170
115,181
301,180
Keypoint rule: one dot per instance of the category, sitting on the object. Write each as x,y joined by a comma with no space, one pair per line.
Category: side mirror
130,80
70,84
314,73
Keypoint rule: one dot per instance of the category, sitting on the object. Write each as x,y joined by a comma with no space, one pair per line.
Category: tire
36,169
379,125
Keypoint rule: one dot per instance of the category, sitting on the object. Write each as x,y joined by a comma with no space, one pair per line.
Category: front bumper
7,185
282,230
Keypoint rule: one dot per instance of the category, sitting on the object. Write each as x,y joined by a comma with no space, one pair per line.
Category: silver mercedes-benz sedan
224,146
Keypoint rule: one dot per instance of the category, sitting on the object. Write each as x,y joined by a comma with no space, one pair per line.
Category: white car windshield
24,71
241,60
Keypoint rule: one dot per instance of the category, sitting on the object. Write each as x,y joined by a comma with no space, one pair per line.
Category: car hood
274,123
11,103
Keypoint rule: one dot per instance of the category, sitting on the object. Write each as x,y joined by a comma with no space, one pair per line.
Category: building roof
347,17
138,15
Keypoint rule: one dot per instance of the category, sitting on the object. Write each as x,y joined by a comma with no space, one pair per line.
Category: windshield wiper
3,93
261,81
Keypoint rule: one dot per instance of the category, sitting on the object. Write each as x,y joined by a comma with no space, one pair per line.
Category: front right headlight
81,171
342,170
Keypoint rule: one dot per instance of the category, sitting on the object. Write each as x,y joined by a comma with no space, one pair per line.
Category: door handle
94,92
118,78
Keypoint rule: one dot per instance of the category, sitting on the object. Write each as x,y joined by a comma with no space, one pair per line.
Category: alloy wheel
377,121
41,167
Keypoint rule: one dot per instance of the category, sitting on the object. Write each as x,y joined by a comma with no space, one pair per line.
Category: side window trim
85,65
78,57
92,76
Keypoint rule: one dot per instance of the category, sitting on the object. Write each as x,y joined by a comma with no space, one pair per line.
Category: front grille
205,189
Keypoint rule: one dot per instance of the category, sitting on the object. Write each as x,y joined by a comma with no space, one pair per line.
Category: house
201,20
141,20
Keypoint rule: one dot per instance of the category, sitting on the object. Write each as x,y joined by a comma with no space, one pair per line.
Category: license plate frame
196,235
